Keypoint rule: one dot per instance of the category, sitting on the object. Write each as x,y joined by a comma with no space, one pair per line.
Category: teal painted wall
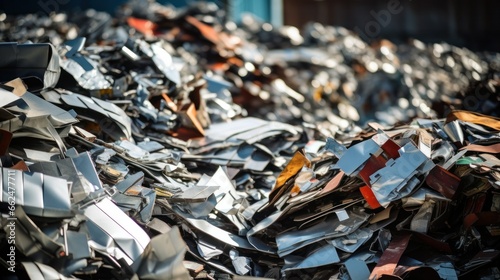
260,8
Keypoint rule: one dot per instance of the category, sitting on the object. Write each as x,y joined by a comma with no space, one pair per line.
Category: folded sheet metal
36,270
83,69
39,194
394,180
162,258
114,232
28,61
110,119
320,257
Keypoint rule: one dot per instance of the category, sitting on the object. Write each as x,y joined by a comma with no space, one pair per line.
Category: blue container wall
260,8
47,6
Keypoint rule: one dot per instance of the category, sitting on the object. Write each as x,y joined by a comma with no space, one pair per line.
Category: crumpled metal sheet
41,271
37,64
84,70
177,145
162,258
39,194
106,219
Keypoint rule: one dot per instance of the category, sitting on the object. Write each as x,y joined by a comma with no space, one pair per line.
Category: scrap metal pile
169,143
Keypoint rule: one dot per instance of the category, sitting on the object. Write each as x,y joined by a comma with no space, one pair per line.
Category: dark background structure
473,24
